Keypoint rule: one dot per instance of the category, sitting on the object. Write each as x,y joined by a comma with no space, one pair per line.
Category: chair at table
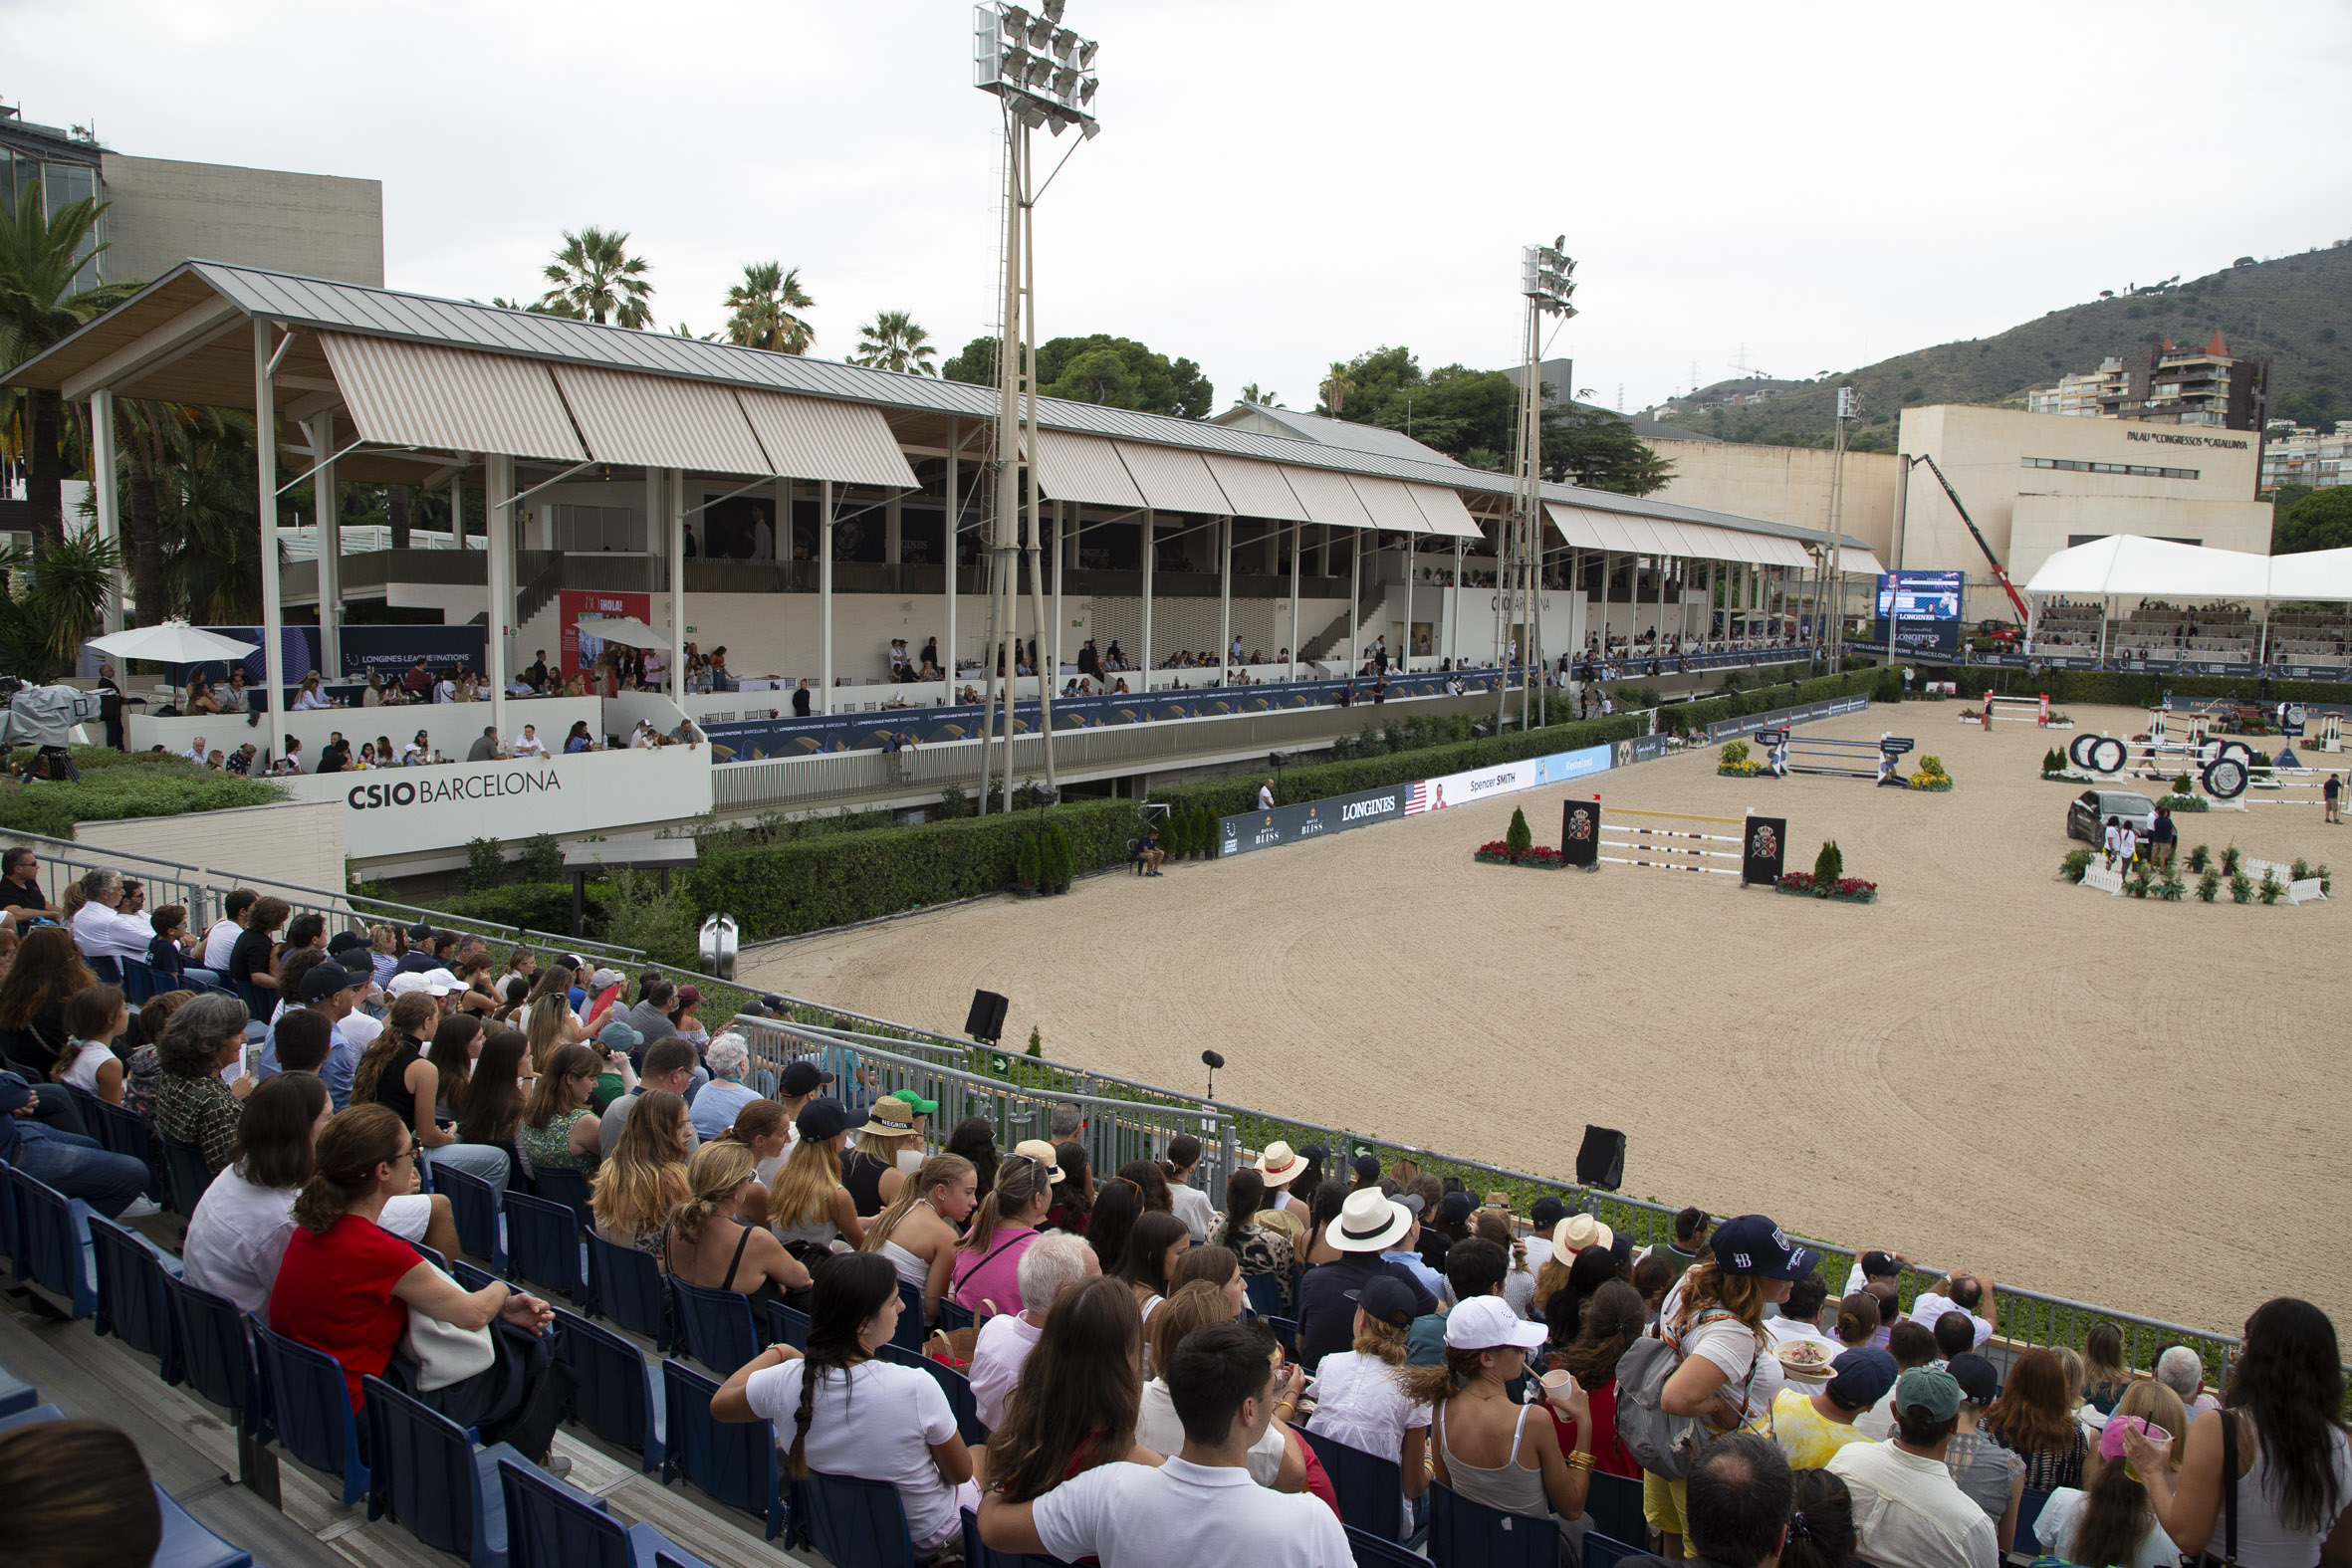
426,1472
715,1327
955,1385
1466,1534
856,1523
542,1245
131,1304
734,1461
630,1289
311,1409
617,1394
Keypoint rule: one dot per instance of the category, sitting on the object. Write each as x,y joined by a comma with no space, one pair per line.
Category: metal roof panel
1173,480
818,438
660,421
1085,469
417,394
1256,490
1327,498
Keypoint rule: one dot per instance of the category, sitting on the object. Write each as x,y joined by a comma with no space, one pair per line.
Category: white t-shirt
1128,1515
997,1358
1787,1330
239,1233
1727,1343
2063,1516
2127,841
1192,1206
89,1056
1266,798
1928,1306
2112,838
1361,1401
877,1424
531,746
359,1028
219,942
1158,1428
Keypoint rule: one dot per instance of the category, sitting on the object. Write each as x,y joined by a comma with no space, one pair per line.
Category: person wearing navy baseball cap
1714,1319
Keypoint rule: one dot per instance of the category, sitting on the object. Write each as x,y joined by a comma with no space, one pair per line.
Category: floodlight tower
1546,280
1042,74
1833,637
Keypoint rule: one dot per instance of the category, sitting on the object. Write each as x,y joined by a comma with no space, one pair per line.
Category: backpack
1662,1445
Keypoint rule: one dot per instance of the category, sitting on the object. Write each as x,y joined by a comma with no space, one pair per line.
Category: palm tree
1264,399
683,330
595,276
892,341
760,310
39,305
1335,388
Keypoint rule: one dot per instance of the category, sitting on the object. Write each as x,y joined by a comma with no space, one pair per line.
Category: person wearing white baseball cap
1369,1224
1485,1447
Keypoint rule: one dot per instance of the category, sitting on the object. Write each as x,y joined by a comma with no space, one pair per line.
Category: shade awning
1254,489
1173,481
1389,504
2324,576
818,438
454,400
659,421
626,630
1442,510
1853,560
1327,497
1084,467
2127,563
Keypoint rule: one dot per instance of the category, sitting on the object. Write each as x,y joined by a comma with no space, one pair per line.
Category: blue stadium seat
616,1396
1264,1292
473,1204
1605,1551
672,1555
185,1173
309,1410
1370,1488
953,1315
1370,1551
568,1188
131,1304
630,1289
183,1543
140,981
16,1394
426,1473
125,1132
911,1330
1465,1534
856,1523
8,1234
542,1245
30,1416
733,1462
1285,1333
787,1326
979,1554
955,1385
215,1355
715,1327
53,1244
1613,1504
550,1525
2029,1505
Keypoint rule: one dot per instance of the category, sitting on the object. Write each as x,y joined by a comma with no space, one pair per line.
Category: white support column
948,519
1405,654
658,509
1061,511
1605,567
321,430
273,615
1297,554
457,508
1355,578
676,538
890,534
497,530
824,596
1225,602
109,501
1454,611
1147,528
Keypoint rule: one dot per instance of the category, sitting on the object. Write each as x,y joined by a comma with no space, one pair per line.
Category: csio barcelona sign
411,811
434,786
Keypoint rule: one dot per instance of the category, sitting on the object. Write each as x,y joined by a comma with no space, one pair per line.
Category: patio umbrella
173,642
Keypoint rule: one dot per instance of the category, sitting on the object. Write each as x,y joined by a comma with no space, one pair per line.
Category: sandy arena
2130,1103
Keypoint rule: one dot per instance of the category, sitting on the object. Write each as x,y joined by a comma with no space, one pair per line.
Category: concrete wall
163,212
1981,451
2042,524
1782,484
300,842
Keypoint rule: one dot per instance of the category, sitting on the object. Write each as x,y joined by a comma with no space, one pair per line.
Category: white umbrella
626,630
173,642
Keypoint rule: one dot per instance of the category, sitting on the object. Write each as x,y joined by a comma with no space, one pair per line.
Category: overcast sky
1282,184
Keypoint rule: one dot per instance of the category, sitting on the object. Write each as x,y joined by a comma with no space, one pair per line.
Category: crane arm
2024,617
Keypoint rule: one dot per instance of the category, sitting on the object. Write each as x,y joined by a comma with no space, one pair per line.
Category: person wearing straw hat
1369,1224
872,1172
1280,1165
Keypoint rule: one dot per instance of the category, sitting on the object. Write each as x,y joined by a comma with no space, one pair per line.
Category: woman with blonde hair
917,1232
987,1270
560,1131
2108,1520
708,1242
1360,1397
645,1180
384,951
872,1172
807,1207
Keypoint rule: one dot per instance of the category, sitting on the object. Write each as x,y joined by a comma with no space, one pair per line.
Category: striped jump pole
1758,843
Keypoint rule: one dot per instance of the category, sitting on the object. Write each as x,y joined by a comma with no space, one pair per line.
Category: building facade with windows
2079,396
2300,455
2165,384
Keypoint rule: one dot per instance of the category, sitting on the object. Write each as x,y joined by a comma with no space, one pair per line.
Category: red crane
2024,618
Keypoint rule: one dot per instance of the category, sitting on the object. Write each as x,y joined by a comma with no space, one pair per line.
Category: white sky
1282,184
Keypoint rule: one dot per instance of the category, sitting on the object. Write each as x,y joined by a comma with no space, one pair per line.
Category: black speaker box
1601,1161
986,1021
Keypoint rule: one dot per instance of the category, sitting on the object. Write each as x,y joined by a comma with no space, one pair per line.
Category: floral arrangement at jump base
1735,762
1518,848
1828,879
1930,774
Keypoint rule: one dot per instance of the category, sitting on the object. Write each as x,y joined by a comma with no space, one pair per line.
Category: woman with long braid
839,1410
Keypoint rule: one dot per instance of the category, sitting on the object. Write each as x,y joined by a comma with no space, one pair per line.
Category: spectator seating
473,1205
1466,1534
568,1188
8,1224
955,1385
1613,1504
309,1410
125,1132
131,1304
787,1326
543,1247
1370,1490
184,1542
550,1526
1264,1293
628,1288
426,1473
1606,1551
53,1244
979,1554
715,1327
856,1523
1370,1551
734,1462
217,1360
2029,1505
186,1175
911,1331
16,1394
953,1315
619,1395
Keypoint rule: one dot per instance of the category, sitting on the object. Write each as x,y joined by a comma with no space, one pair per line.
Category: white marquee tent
2126,565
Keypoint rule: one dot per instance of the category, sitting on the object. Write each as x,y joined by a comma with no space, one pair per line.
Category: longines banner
403,811
1290,824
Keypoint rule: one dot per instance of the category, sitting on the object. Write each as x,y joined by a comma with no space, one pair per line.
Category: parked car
2087,814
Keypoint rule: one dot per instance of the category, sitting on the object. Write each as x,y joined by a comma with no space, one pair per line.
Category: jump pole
1759,846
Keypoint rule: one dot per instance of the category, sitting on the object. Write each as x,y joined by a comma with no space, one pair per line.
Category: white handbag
444,1353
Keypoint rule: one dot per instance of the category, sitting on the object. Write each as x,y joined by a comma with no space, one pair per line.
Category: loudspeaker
986,1021
1601,1161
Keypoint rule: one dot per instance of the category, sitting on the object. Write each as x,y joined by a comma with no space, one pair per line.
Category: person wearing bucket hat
872,1172
1908,1510
1369,1224
1280,1165
1812,1425
1481,1438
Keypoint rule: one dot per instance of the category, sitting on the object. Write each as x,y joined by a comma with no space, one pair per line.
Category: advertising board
1291,824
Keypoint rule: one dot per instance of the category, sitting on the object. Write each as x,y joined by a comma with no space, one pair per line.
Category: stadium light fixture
1040,67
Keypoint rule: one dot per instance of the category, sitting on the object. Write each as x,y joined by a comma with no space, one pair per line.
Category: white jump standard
1821,754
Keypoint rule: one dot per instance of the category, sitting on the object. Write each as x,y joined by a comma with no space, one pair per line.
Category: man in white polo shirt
1222,1384
1971,1294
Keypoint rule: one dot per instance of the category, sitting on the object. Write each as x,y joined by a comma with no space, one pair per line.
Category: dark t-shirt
37,1045
2164,831
250,956
392,1089
15,897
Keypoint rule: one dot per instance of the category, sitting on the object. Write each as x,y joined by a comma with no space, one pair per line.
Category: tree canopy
1117,372
2321,520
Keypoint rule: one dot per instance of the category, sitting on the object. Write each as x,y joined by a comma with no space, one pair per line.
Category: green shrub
2139,883
2170,889
2077,861
1518,835
2053,761
2209,886
1888,687
543,859
485,865
1036,1041
2241,888
2272,890
119,784
535,906
2198,858
1829,865
1733,752
2184,785
639,914
1025,862
2300,870
2229,861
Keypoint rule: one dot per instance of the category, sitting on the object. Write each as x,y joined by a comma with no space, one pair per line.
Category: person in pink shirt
986,1278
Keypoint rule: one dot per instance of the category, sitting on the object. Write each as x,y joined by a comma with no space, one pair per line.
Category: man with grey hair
1054,1263
1068,1122
2180,1369
100,931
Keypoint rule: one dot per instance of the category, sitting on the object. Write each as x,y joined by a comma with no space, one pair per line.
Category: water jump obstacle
1759,846
1786,751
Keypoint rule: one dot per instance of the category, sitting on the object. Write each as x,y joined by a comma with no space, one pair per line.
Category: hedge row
116,786
2134,689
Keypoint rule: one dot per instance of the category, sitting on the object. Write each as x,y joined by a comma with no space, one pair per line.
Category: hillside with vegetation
2295,308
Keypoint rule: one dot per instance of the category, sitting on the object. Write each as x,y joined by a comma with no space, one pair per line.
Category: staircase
1332,639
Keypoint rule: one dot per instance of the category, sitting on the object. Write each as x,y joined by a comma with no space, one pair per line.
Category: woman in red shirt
347,1286
1614,1319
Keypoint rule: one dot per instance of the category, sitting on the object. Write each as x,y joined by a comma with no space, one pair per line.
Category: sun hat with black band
1369,1222
1043,1152
1280,1165
891,1117
1754,1244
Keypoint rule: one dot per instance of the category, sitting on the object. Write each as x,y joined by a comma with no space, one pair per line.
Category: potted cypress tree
1024,865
